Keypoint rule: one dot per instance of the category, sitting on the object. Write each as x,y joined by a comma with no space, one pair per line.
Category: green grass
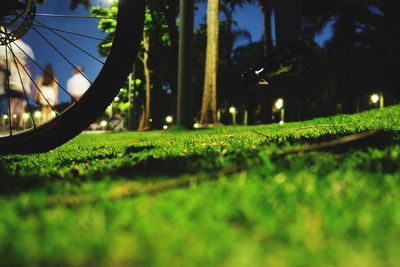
227,196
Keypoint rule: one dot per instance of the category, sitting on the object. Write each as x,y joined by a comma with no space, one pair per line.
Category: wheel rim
107,83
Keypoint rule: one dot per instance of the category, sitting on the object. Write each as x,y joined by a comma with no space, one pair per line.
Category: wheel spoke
71,16
71,43
74,37
61,54
8,92
42,25
68,32
44,71
36,86
22,84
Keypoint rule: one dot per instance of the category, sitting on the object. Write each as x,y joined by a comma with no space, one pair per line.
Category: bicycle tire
93,103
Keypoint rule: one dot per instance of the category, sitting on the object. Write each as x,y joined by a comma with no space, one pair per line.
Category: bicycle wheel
22,128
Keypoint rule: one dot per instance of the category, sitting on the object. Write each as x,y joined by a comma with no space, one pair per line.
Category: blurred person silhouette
77,84
117,121
47,94
16,58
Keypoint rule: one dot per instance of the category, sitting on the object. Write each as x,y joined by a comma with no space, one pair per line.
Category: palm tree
267,7
208,114
74,3
358,50
228,73
144,122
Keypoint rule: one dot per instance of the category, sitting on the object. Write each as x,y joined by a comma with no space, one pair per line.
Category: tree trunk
287,21
266,8
145,119
391,44
392,31
209,104
171,13
185,68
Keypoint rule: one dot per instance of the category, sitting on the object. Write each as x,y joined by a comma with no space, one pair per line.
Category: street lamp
26,117
37,114
169,119
233,111
374,98
5,120
14,119
377,98
103,124
279,103
280,106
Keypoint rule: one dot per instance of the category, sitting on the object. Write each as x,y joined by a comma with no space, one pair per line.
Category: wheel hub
16,18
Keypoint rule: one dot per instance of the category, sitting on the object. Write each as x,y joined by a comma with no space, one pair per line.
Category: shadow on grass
339,143
153,168
149,168
15,180
10,185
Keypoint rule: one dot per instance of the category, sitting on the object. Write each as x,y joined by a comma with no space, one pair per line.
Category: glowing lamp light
169,119
281,123
196,125
279,103
103,124
232,110
165,127
5,117
15,116
26,116
374,98
116,99
53,114
37,114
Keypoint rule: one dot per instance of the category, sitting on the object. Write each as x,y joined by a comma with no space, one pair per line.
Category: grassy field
228,196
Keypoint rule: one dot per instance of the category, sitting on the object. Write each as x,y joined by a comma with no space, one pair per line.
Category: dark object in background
288,61
252,77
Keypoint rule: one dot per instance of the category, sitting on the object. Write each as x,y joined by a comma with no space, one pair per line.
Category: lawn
270,195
